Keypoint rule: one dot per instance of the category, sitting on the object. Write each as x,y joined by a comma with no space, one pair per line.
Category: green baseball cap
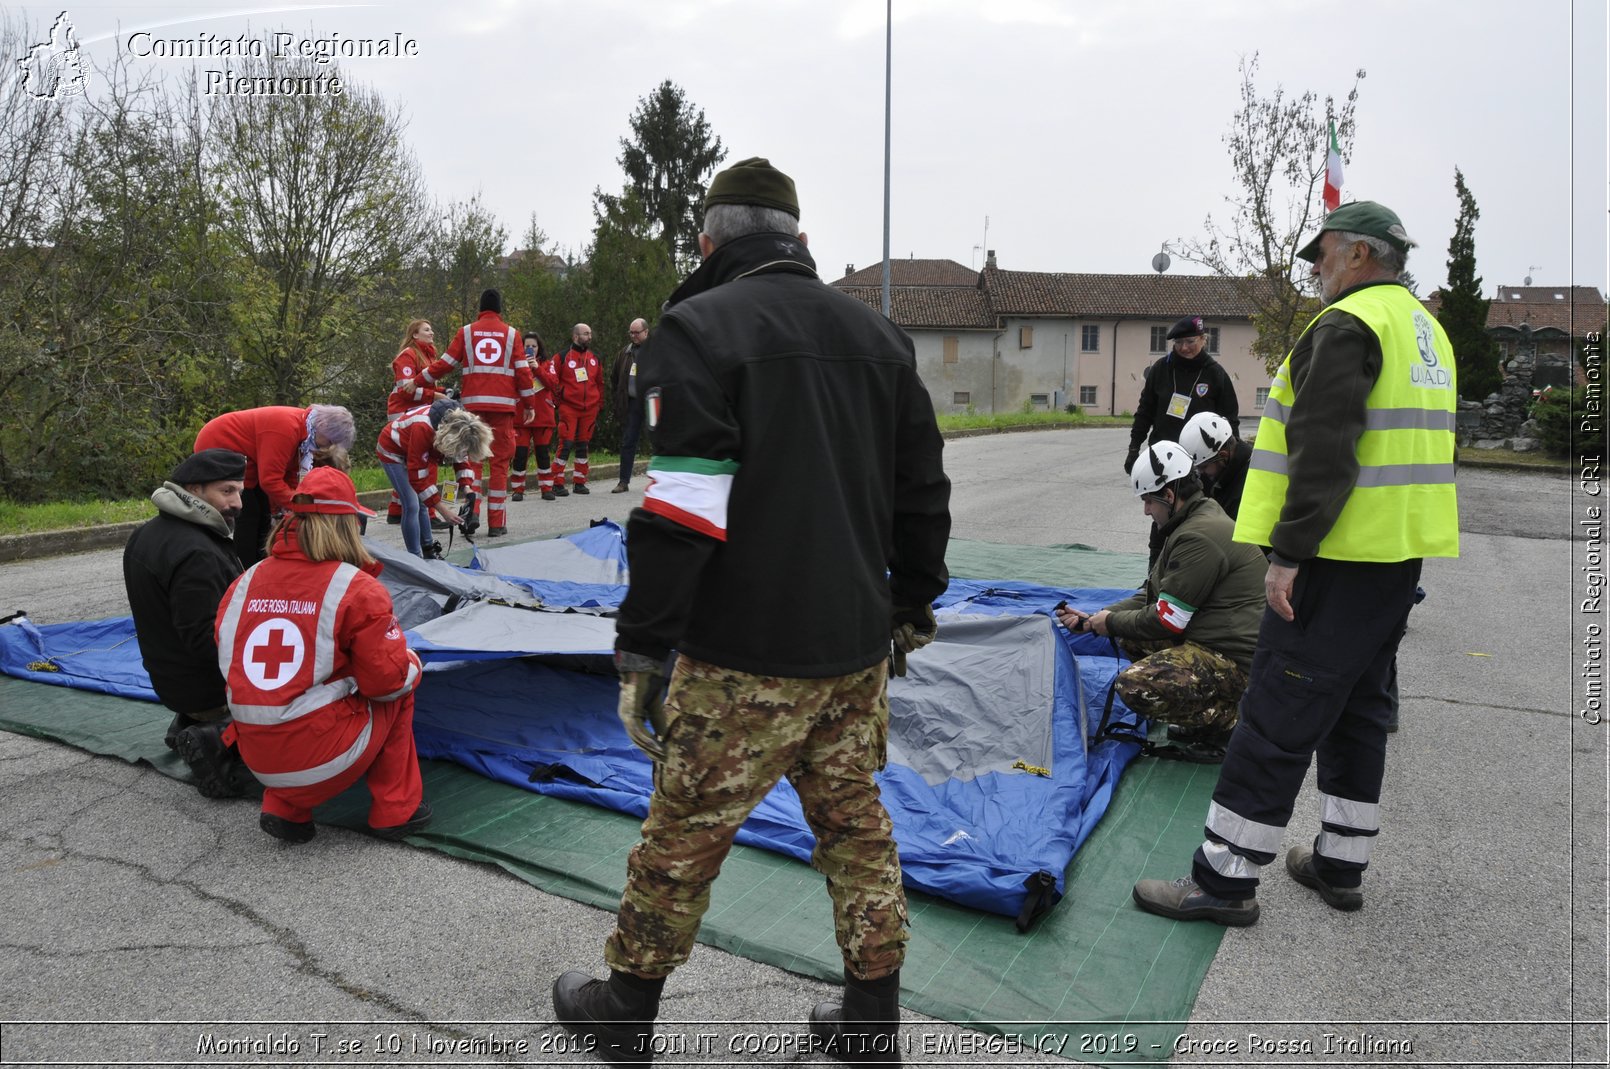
754,181
1362,217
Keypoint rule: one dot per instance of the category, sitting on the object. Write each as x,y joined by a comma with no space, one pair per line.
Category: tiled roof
912,272
928,306
1577,311
1098,296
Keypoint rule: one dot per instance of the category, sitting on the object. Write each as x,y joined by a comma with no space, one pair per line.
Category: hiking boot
210,761
620,488
580,488
1183,900
415,823
560,491
395,521
496,532
863,1028
170,738
1300,863
549,495
517,496
292,831
617,1014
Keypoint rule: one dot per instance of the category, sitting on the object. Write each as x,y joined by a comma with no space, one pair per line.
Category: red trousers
389,766
497,486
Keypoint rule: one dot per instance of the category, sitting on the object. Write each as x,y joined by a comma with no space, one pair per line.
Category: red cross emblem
274,653
489,350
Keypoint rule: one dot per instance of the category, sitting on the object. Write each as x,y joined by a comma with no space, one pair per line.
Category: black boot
218,769
863,1029
617,1013
171,738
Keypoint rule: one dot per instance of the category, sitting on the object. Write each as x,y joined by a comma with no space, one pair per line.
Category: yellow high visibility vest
1403,505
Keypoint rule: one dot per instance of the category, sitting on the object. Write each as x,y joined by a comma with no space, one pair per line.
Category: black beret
491,301
754,181
209,466
1188,327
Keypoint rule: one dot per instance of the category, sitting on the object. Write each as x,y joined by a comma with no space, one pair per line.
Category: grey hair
725,222
462,435
1385,254
335,424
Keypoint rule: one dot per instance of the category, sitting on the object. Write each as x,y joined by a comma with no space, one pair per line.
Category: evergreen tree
667,159
1464,310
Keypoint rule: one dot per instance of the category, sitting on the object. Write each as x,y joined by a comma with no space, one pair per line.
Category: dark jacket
176,568
1227,487
620,379
1215,583
838,504
1203,380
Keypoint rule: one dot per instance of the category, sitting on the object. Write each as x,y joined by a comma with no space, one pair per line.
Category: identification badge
1178,405
581,374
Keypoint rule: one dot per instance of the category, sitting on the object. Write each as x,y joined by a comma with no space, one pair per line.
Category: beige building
1006,341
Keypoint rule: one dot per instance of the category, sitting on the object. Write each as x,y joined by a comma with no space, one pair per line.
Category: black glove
909,630
643,699
1130,458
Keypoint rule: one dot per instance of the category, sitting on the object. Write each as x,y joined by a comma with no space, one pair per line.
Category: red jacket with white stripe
407,365
410,440
306,648
581,379
271,438
497,378
545,384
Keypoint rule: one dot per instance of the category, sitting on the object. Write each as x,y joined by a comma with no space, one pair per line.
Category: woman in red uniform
320,681
537,434
418,350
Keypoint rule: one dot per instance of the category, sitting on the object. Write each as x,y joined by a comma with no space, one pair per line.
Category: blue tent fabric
992,785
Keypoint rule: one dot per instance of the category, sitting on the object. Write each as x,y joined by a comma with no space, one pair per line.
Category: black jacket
1203,380
176,568
1226,489
838,504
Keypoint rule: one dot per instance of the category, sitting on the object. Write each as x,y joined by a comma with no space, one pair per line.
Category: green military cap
754,181
1362,217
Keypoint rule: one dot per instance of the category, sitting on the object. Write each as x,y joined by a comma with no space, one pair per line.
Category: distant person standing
627,405
279,443
534,433
580,394
176,568
417,352
1351,486
1186,381
765,386
496,383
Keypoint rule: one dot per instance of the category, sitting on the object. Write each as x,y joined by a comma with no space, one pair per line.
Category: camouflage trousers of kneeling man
1186,685
731,737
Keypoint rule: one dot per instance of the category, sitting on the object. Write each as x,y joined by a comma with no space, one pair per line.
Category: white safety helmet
1204,435
1158,466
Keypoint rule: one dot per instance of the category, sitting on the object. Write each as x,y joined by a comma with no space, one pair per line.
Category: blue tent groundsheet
992,784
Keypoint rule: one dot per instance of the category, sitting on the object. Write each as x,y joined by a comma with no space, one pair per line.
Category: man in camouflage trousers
1191,629
793,528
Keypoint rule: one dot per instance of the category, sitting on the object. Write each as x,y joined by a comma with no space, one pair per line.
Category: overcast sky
1087,132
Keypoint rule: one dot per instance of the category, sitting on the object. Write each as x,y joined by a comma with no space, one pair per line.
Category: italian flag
1173,613
1333,172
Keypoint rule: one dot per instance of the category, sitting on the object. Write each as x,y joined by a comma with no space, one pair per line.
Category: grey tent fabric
421,588
485,628
554,560
975,701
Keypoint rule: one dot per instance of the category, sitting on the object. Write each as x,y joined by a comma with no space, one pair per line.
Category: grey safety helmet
1204,435
1158,466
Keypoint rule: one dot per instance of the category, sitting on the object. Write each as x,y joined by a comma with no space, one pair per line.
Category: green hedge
1565,425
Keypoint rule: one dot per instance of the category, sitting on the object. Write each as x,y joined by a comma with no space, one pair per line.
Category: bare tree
1277,146
322,197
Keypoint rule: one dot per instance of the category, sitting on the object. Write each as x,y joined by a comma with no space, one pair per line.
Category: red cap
332,492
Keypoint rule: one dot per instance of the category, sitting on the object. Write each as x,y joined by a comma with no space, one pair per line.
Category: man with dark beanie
497,386
768,394
176,568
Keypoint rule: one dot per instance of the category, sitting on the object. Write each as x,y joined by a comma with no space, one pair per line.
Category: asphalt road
126,896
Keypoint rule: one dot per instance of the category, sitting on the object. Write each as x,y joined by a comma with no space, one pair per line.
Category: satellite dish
1160,262
1527,281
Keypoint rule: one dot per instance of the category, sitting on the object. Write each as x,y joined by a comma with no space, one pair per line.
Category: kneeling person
176,568
1192,628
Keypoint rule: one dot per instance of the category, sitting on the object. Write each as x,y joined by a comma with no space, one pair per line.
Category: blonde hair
462,435
322,536
332,456
408,334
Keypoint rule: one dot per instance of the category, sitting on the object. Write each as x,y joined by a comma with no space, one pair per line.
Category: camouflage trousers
732,736
1187,685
